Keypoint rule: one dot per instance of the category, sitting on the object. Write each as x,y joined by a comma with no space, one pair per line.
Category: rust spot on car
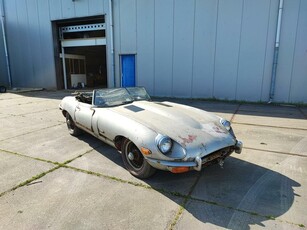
218,129
187,140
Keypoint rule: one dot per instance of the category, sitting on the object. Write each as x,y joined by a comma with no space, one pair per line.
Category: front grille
213,157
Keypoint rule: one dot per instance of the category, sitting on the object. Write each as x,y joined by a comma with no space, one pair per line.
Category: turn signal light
180,169
145,151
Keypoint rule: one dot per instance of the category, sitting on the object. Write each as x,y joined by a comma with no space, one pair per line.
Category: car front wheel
72,128
135,162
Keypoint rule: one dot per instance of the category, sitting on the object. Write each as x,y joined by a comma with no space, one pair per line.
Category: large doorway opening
81,53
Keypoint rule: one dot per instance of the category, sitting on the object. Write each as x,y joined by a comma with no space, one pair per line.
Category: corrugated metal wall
30,40
196,48
214,48
3,71
291,82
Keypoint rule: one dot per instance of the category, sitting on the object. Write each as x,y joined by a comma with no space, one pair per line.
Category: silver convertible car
151,135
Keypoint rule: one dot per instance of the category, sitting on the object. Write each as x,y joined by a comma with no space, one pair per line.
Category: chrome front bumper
193,165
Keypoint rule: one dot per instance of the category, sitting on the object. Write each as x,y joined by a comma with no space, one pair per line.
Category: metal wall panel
25,69
46,70
11,25
34,43
227,48
18,47
127,24
55,9
145,44
222,49
30,39
298,87
197,48
183,47
68,9
204,48
82,8
96,7
286,50
117,40
252,49
109,46
270,44
164,23
3,69
61,9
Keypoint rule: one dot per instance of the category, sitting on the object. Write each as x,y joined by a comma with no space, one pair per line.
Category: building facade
220,49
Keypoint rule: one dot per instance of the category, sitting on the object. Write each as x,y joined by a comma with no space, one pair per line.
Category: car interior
85,97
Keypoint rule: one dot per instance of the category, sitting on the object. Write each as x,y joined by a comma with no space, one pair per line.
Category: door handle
78,107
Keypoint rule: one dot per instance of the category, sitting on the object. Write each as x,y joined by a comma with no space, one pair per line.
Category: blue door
128,70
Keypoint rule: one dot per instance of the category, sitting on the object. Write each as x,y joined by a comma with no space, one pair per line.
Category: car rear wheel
72,128
134,161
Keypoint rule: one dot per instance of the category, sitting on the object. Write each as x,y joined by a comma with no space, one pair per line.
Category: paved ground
49,179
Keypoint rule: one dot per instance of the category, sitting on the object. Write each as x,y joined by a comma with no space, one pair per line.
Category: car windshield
138,93
119,96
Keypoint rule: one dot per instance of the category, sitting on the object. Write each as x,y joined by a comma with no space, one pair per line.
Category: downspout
5,46
276,51
112,41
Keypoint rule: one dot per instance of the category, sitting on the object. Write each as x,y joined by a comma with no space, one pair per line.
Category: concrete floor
49,179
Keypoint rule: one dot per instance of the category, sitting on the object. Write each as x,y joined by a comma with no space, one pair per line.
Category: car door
83,114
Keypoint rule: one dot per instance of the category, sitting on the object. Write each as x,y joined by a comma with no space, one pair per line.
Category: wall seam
215,45
88,7
75,13
154,49
32,69
193,51
265,52
61,5
294,51
49,8
136,45
39,32
19,58
173,38
239,51
120,45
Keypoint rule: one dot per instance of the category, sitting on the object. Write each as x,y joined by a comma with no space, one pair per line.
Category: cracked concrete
49,179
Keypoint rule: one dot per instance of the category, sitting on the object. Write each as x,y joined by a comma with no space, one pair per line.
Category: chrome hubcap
134,156
131,156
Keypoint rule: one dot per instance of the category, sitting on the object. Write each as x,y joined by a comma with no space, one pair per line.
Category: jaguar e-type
151,135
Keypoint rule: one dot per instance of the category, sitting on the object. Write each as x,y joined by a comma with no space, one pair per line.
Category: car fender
107,125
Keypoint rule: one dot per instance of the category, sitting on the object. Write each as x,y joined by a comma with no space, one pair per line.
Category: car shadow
236,196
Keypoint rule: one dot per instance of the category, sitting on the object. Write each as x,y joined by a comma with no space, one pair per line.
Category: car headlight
226,124
164,143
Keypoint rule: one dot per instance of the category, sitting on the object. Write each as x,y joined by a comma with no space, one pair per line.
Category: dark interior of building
85,65
95,66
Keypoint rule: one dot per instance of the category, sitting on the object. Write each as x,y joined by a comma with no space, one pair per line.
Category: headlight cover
226,124
164,143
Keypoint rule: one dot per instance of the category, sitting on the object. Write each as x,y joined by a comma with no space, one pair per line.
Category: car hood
193,129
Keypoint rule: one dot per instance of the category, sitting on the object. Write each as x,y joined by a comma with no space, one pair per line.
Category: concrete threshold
24,90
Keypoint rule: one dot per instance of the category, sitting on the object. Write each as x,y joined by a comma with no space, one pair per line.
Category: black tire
136,164
2,89
72,128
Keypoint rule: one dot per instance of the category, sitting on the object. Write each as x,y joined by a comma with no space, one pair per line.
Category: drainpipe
112,41
276,51
5,46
